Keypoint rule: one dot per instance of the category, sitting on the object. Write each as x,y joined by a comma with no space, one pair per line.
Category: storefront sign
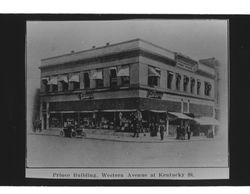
154,94
86,94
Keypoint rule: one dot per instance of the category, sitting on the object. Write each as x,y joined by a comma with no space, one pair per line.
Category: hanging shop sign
154,94
86,94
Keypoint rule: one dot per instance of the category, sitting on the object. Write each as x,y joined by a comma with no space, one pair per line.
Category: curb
129,141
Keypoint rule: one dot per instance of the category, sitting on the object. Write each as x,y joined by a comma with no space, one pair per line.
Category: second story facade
127,69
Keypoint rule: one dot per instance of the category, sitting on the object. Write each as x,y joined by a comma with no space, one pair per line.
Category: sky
196,38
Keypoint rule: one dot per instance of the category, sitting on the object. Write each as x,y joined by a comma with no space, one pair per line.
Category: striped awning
180,115
96,74
74,78
45,79
123,71
63,78
53,80
207,121
152,72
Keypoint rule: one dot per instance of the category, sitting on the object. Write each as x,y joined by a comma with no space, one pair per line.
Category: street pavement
51,150
121,136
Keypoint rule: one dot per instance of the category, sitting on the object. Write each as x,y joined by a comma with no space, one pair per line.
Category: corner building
101,87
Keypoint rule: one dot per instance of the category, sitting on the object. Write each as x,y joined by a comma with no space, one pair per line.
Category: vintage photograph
127,99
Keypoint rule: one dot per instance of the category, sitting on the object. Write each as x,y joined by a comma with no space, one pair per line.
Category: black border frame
13,30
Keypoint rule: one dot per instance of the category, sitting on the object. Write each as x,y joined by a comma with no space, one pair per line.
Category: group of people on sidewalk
153,129
37,125
183,132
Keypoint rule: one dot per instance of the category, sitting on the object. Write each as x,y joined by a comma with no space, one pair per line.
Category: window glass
86,80
207,89
192,85
185,83
125,75
54,88
198,87
154,75
113,77
170,79
178,81
45,85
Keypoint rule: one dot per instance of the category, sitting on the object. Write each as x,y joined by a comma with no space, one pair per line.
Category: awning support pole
213,129
78,119
167,127
62,124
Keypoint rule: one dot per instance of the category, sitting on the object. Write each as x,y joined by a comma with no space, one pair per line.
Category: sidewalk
122,137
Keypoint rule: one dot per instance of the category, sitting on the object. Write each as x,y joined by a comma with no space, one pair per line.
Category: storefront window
55,120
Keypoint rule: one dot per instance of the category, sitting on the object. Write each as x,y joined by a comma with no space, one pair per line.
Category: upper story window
63,79
170,79
113,77
185,83
45,84
185,107
75,81
207,89
125,76
198,87
192,85
178,81
97,75
53,84
154,75
44,105
86,80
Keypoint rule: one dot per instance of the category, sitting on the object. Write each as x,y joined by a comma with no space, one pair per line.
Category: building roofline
66,54
101,47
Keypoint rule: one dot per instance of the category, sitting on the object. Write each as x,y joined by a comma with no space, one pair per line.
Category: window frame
84,80
170,82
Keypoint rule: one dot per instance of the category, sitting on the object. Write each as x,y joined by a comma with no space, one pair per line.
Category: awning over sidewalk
207,121
180,115
119,110
158,111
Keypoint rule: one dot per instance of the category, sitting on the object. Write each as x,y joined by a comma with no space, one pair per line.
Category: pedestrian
162,129
151,129
188,131
178,131
183,133
136,129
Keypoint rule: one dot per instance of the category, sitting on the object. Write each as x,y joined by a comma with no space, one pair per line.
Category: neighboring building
101,87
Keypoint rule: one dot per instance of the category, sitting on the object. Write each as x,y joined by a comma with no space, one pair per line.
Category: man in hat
162,129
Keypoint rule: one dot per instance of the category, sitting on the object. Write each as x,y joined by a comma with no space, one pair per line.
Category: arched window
192,85
178,81
185,83
208,88
198,87
170,79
